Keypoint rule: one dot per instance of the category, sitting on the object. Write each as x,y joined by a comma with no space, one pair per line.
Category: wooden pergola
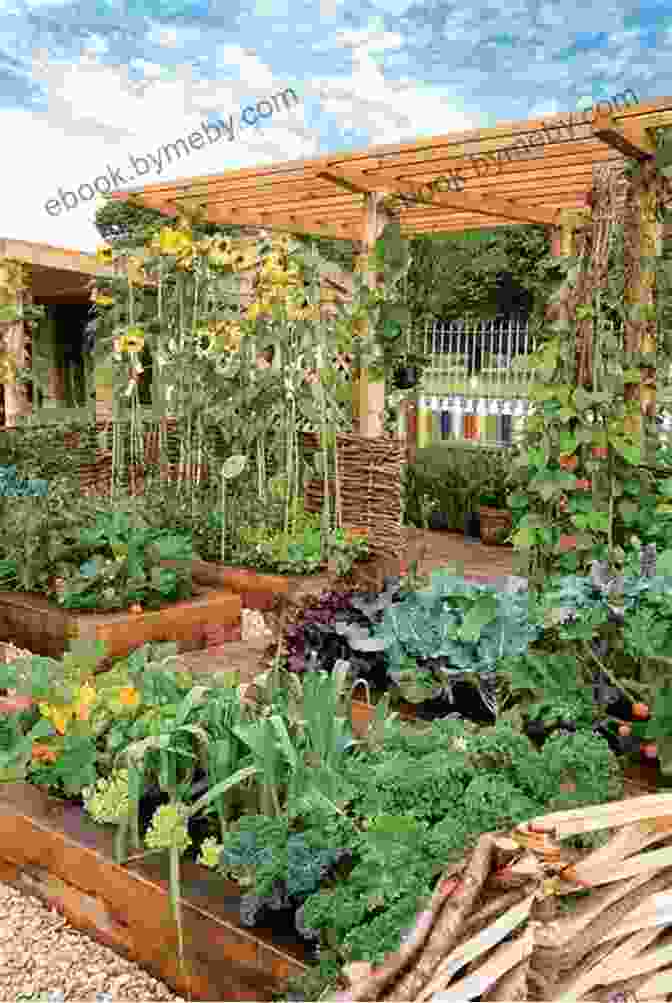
352,196
327,195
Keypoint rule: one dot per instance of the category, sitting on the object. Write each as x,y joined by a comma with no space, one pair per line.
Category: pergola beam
493,206
629,138
277,221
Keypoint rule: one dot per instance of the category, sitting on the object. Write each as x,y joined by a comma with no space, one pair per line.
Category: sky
96,87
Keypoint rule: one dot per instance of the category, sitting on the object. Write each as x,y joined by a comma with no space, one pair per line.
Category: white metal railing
474,357
470,372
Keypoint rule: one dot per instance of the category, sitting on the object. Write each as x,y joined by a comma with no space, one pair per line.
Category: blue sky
83,86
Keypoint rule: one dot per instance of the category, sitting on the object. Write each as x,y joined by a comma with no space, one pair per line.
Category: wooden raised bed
31,621
51,849
256,590
262,591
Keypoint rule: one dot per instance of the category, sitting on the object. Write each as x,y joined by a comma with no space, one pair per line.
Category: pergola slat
304,196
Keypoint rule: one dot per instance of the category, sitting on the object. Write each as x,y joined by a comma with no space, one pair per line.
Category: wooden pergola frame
348,195
326,196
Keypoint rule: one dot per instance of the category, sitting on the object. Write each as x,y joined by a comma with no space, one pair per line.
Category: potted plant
495,518
408,370
468,479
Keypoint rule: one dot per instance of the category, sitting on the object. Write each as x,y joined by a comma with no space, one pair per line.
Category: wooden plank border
51,849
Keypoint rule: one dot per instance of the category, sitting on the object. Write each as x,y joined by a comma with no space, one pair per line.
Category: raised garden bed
261,591
45,628
51,849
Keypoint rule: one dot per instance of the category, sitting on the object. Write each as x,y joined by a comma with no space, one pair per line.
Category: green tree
479,273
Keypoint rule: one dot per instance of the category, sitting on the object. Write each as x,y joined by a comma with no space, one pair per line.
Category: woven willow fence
370,470
525,917
41,448
369,479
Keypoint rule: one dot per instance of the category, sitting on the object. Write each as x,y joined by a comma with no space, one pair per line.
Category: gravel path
43,958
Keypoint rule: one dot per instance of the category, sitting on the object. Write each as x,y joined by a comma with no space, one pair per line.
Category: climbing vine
593,431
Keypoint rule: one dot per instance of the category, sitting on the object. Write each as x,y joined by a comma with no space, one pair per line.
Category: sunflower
100,298
172,241
132,341
129,697
104,254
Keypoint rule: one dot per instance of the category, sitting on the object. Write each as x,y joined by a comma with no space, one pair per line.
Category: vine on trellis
593,431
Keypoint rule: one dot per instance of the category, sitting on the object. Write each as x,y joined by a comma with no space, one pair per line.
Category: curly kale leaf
426,788
510,755
492,803
583,765
296,862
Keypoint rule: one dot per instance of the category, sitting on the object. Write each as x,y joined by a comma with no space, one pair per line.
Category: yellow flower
229,336
60,717
129,697
104,254
135,272
101,299
253,311
173,241
132,341
86,699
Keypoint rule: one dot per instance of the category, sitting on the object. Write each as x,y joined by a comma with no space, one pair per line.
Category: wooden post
15,293
369,407
642,242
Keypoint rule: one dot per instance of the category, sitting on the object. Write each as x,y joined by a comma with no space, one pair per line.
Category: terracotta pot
493,522
353,531
600,452
361,716
567,542
569,461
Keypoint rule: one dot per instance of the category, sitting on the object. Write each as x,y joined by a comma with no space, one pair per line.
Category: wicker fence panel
370,472
92,446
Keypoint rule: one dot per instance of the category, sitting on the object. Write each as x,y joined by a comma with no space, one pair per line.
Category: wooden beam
54,258
269,220
629,138
486,206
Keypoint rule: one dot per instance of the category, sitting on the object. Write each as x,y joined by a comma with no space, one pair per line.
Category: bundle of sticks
525,917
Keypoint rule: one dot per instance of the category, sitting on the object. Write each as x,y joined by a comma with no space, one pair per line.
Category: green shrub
450,478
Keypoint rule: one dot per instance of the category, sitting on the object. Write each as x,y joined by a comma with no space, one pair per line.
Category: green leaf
482,613
632,454
524,538
628,509
663,157
547,489
582,399
233,467
222,788
664,563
